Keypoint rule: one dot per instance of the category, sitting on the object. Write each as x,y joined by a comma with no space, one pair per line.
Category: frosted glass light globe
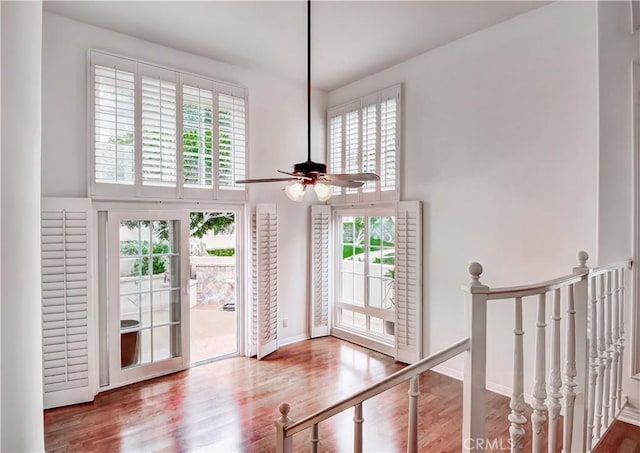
323,191
295,191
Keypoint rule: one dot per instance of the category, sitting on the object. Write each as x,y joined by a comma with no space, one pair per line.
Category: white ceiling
350,39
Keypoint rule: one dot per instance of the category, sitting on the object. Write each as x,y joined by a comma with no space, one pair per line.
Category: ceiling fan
311,173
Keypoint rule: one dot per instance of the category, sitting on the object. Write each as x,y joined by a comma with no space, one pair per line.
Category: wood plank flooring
230,405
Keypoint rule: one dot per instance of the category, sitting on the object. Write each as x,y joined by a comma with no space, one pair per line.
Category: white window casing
320,270
266,279
67,334
364,136
159,133
408,281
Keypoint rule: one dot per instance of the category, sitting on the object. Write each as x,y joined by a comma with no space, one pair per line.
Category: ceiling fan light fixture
323,191
295,191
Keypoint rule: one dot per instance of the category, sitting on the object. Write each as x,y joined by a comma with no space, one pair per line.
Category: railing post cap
582,258
284,409
475,269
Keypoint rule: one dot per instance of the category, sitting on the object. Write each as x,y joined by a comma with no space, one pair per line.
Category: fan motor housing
307,167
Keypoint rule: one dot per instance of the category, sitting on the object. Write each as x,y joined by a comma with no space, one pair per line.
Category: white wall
21,368
617,50
500,144
277,134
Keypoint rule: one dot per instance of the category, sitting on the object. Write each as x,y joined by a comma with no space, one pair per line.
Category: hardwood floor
621,438
230,405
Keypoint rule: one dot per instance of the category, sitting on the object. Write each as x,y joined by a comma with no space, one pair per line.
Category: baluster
608,356
601,358
593,360
615,351
621,329
358,420
315,438
580,354
414,393
284,444
539,387
555,379
569,373
516,417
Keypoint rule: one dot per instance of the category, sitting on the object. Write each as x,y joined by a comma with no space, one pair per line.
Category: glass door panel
146,307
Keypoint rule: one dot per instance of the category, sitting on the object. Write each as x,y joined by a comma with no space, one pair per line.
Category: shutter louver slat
408,282
65,333
114,110
320,259
158,123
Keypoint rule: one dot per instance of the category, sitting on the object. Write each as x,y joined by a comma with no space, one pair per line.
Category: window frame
365,193
368,339
139,190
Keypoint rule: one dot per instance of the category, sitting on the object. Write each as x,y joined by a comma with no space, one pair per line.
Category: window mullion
366,263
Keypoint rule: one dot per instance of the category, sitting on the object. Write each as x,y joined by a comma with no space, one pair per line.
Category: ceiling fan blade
349,184
351,177
250,181
293,174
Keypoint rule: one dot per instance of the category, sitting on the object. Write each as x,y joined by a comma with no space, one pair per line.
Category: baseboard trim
491,386
291,340
630,415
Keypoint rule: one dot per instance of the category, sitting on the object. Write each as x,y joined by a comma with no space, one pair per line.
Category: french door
148,289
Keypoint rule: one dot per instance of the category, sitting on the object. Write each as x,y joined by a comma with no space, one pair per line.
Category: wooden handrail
511,292
626,264
537,288
391,381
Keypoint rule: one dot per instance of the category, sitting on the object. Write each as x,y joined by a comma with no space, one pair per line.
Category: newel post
580,369
283,444
473,406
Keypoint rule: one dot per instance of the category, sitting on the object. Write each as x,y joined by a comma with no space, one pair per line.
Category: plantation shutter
320,265
335,148
266,253
253,312
68,376
389,140
408,281
352,145
369,144
114,124
158,126
232,138
197,133
364,136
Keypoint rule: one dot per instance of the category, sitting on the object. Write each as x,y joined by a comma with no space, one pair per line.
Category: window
365,292
158,132
363,137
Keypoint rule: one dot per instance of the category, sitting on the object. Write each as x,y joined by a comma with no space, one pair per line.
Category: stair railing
286,428
586,388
